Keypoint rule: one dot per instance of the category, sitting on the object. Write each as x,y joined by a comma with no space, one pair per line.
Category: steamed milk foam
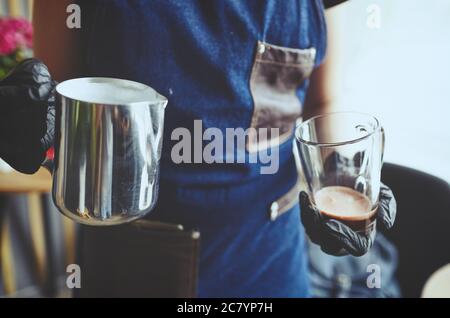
346,205
104,91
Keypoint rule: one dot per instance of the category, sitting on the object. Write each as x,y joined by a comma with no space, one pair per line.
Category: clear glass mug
341,155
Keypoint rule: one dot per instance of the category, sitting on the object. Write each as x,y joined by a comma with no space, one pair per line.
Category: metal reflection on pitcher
107,150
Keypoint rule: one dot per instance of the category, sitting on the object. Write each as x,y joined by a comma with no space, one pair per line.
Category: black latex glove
27,113
336,238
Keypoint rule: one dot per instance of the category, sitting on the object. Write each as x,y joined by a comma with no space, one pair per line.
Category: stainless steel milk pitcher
108,139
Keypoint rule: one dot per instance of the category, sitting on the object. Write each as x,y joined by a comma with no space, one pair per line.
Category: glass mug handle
360,182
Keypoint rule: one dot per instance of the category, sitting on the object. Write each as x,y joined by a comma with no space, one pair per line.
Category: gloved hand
334,237
27,115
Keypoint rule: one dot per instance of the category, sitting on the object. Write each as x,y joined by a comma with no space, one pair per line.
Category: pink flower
15,33
7,43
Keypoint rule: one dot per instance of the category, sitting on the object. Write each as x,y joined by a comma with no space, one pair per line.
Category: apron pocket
276,75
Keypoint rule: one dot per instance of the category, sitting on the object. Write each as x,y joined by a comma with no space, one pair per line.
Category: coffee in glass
341,157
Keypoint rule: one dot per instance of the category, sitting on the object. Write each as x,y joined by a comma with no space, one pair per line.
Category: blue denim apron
229,63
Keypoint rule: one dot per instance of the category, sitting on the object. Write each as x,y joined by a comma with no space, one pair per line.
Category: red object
50,153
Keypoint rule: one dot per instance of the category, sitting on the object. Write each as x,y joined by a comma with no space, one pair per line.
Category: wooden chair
37,233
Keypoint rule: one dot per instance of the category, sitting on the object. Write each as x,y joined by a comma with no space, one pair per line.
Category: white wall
401,74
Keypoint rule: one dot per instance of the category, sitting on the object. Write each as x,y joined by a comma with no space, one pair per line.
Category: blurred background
36,242
394,64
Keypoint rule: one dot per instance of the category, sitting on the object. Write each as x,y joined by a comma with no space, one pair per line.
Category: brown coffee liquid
347,206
